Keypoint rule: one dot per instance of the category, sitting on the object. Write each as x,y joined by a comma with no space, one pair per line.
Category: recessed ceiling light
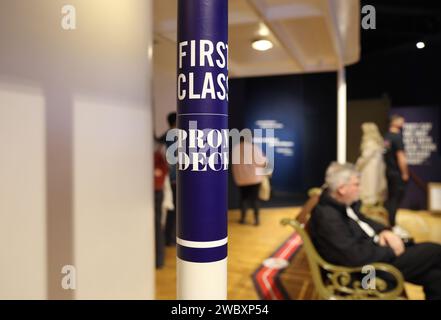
420,45
262,45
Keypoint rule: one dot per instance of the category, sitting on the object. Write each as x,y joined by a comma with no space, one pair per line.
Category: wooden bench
340,282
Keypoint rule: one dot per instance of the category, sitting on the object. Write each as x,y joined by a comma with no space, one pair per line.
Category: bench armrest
343,282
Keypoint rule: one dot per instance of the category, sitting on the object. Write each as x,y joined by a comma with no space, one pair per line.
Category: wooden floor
248,246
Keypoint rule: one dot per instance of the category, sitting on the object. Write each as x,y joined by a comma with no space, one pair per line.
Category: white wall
22,193
76,184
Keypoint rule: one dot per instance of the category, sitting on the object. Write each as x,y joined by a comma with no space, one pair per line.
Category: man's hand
388,238
405,177
402,164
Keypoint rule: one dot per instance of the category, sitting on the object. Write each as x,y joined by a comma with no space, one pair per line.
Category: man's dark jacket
340,240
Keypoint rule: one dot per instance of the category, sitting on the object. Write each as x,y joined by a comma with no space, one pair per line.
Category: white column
341,115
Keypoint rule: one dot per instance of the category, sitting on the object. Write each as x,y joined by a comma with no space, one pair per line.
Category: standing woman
160,174
247,159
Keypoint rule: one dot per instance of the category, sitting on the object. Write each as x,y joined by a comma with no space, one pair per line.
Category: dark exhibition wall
422,140
302,109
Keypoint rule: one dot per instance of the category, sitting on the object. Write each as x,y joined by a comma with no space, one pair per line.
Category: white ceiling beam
169,38
292,11
166,26
283,37
332,24
238,18
233,68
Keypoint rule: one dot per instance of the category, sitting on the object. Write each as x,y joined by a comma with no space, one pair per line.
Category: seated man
343,236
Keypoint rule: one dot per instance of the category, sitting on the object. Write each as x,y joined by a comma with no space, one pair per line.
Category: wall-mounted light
262,44
421,45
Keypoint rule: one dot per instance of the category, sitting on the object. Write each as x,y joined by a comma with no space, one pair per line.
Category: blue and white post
202,175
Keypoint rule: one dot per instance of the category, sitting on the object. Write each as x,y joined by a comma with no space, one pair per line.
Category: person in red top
160,173
161,170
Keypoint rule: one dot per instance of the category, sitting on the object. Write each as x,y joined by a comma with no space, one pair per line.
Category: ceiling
401,24
308,35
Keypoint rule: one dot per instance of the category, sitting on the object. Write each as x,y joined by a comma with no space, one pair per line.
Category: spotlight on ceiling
262,45
421,45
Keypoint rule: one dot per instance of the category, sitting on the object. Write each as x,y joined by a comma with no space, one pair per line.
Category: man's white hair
339,174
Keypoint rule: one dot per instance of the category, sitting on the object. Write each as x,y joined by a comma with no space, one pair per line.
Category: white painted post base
201,281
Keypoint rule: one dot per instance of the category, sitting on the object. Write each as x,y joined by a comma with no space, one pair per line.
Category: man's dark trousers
421,264
396,188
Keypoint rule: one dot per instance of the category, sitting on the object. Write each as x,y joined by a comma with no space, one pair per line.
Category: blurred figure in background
170,221
247,158
371,165
160,174
397,171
